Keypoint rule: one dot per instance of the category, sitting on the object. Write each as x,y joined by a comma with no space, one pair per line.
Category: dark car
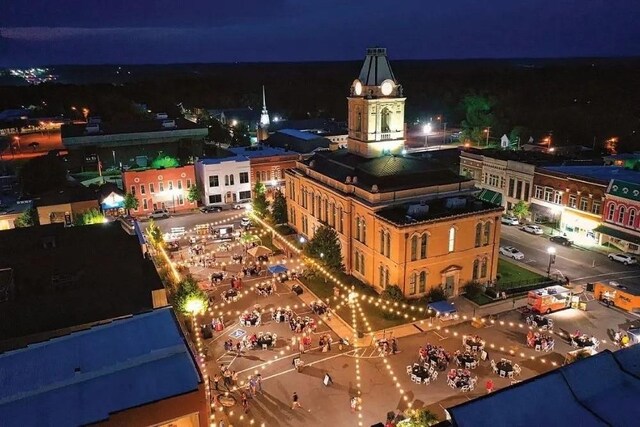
561,240
209,209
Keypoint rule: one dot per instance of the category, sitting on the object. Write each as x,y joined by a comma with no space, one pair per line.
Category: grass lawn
513,276
480,299
378,319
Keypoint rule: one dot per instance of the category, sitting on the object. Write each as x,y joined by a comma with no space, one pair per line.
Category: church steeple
264,116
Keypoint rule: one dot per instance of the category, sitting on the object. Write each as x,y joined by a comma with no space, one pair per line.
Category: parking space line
308,364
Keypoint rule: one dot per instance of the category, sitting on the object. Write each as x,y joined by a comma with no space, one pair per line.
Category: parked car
209,209
241,205
561,240
159,214
245,222
533,229
626,259
511,252
509,220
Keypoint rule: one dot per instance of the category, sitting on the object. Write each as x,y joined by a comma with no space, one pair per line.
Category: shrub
436,294
393,293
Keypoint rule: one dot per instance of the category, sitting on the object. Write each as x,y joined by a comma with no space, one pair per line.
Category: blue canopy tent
442,307
277,269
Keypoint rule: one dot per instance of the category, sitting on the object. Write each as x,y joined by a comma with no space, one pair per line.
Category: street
189,221
579,265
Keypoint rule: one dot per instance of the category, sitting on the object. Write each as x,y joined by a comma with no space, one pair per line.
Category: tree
194,194
240,135
279,209
519,135
42,174
130,202
260,203
325,248
27,218
189,298
420,418
90,217
478,117
520,210
154,234
219,133
393,293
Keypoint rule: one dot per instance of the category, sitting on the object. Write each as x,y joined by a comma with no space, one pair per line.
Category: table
504,366
420,372
583,341
265,339
463,359
475,345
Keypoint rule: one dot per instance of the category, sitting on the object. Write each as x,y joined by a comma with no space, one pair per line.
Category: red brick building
160,188
621,216
268,165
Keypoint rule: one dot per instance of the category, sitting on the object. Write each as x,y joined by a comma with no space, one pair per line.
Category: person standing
296,401
216,380
245,402
259,382
489,386
394,346
353,404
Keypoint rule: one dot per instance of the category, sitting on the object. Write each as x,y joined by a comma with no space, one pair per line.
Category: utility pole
444,132
488,131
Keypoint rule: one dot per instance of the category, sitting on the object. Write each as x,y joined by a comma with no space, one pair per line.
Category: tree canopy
279,209
189,298
325,248
130,202
260,203
194,194
520,210
43,173
478,117
27,218
90,217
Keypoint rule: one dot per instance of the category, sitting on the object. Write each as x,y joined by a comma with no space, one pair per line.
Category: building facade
267,165
621,216
401,220
224,180
160,188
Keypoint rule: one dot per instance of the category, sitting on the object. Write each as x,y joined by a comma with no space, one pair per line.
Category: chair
426,380
474,364
510,374
494,369
409,369
467,365
413,378
471,386
517,369
503,374
264,346
434,376
465,388
538,348
483,355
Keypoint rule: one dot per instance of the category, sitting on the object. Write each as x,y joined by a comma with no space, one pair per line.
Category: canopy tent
634,334
277,269
442,307
259,251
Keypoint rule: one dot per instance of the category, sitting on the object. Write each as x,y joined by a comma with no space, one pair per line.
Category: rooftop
295,140
114,128
603,174
258,151
600,390
65,277
626,190
529,157
319,126
83,377
376,67
408,214
388,173
70,193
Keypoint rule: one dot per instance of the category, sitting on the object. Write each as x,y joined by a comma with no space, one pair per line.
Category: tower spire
264,100
264,115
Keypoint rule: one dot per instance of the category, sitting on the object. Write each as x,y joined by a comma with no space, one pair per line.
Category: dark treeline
578,100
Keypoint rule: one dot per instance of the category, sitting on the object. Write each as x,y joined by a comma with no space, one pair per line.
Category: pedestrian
394,346
301,346
259,382
353,404
489,386
296,402
216,380
252,386
245,402
238,348
234,377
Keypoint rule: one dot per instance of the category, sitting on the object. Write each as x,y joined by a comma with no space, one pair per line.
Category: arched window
381,274
621,215
340,219
384,120
612,210
487,233
476,269
382,243
483,268
422,282
364,231
413,278
332,220
313,204
423,246
632,217
387,244
452,239
358,228
414,248
478,234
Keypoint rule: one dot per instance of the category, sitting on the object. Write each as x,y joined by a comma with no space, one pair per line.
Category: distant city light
427,128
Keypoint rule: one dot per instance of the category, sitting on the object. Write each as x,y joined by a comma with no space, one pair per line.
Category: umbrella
259,251
277,269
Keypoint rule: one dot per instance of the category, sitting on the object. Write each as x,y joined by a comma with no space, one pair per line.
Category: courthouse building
402,220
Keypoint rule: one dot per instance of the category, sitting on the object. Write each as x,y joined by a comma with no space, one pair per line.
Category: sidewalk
578,243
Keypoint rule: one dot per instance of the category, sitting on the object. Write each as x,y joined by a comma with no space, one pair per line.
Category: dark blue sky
161,31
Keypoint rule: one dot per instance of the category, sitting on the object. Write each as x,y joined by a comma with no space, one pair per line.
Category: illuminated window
423,246
414,248
621,214
422,282
612,210
452,239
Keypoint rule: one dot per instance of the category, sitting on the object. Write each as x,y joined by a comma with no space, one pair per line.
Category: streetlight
552,258
487,131
427,130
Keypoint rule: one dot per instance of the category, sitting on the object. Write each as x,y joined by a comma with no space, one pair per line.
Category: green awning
618,234
490,196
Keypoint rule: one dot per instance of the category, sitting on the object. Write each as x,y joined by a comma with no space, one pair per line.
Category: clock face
357,87
387,87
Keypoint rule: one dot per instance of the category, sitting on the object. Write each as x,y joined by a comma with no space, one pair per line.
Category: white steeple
264,116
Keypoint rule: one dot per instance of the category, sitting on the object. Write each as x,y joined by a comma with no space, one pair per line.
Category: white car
511,252
533,229
509,220
623,258
242,205
159,213
245,222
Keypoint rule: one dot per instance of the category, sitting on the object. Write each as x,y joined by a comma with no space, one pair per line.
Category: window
452,239
572,201
526,192
244,195
512,184
180,199
478,234
632,217
364,232
414,248
359,262
423,246
305,225
325,213
538,192
244,178
231,179
340,220
483,268
486,237
151,188
161,187
179,183
145,206
476,270
612,209
382,239
213,181
387,245
142,189
226,180
548,194
557,198
518,194
188,183
313,205
412,283
595,207
133,190
384,120
422,282
621,214
170,184
332,219
584,204
215,198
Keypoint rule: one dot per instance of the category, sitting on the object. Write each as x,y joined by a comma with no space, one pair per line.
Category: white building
224,180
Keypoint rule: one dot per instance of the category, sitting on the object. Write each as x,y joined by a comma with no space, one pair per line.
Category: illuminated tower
263,126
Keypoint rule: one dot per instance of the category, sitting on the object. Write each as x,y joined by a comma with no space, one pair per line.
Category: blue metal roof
442,307
218,160
261,151
307,136
83,377
601,173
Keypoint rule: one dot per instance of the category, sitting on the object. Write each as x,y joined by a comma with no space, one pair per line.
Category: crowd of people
540,341
435,355
319,307
252,318
265,289
461,379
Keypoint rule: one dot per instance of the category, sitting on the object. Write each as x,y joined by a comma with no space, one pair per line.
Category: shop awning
277,269
490,196
618,234
442,307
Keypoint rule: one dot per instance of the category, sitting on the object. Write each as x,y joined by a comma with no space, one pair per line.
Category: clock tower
376,109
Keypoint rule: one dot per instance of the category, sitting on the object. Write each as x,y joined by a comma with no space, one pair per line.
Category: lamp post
427,130
487,131
552,259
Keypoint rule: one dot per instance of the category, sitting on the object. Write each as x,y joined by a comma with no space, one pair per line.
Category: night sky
38,32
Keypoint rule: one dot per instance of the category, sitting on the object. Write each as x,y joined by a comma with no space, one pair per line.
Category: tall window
548,194
340,220
382,239
384,120
595,207
231,179
160,187
572,201
538,192
612,210
422,282
226,180
244,177
142,189
188,183
584,204
170,185
412,283
483,268
557,198
423,246
414,248
151,188
387,245
512,184
452,239
133,190
621,214
476,269
145,205
179,184
358,120
632,217
313,204
478,234
487,233
526,192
